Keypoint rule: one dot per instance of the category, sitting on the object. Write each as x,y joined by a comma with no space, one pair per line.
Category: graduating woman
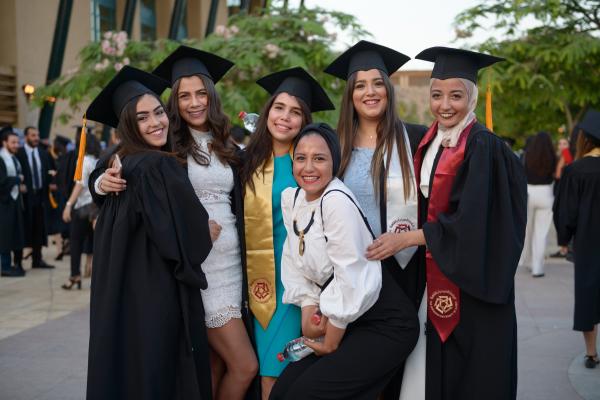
150,242
472,205
368,326
577,217
201,135
266,173
376,165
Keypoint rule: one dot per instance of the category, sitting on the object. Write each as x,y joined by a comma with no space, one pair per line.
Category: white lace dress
213,185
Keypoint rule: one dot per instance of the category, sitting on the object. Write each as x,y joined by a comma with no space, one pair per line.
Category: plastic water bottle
296,349
249,120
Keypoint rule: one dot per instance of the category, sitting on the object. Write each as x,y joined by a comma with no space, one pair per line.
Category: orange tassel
79,169
53,202
488,109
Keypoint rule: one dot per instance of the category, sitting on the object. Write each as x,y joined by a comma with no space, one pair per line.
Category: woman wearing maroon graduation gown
472,214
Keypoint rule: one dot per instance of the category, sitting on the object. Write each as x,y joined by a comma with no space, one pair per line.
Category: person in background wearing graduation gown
366,328
540,163
267,171
472,206
146,341
36,164
577,217
11,204
201,134
376,165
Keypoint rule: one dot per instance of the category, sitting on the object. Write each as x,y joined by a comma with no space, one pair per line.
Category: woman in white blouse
368,325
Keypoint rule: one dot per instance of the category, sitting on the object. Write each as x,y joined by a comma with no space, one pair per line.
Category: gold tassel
488,109
79,169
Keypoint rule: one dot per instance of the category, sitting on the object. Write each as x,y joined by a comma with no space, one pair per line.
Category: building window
148,19
103,17
182,31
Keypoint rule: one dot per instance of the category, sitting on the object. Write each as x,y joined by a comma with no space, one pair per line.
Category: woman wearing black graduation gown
150,242
472,214
381,179
577,217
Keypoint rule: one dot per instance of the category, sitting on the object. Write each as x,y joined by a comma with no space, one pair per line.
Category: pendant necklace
301,233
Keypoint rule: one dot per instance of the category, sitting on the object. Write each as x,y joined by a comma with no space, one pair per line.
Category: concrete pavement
44,334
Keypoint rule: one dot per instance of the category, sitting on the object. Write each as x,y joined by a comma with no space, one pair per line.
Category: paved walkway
44,334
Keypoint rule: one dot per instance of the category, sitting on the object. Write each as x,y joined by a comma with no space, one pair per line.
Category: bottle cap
242,114
280,357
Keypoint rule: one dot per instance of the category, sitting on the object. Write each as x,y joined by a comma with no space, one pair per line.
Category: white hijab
450,135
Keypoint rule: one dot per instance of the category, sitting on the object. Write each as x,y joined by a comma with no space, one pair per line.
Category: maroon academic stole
443,296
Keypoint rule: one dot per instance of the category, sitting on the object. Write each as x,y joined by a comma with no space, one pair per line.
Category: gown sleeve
6,182
566,207
174,219
298,290
356,281
478,241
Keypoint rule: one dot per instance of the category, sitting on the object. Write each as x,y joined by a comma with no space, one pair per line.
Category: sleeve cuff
97,186
338,324
308,302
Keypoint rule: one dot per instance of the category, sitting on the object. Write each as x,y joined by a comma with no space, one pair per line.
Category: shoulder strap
353,202
296,196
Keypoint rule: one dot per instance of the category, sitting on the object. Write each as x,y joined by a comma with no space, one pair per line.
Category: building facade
42,38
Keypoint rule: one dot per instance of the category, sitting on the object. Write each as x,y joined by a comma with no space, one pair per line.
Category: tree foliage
259,44
552,73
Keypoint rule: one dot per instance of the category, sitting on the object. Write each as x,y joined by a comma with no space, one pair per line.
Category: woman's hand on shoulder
389,244
111,181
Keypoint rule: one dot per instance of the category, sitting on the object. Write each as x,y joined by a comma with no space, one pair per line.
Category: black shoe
538,275
72,282
12,273
558,254
19,267
591,361
43,265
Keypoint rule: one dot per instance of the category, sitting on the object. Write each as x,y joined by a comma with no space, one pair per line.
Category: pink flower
126,61
234,29
272,50
220,30
118,66
107,34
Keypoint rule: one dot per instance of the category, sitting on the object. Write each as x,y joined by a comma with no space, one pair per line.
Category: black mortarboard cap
188,61
590,123
127,85
298,83
364,56
456,63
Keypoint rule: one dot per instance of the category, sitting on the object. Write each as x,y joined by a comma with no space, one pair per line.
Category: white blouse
356,281
428,161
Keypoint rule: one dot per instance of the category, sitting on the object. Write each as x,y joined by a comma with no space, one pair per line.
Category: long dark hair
389,130
217,122
129,133
585,144
260,147
540,158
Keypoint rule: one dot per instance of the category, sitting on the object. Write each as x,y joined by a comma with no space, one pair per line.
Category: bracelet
69,204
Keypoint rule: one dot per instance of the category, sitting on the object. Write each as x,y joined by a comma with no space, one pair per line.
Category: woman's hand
66,216
309,328
215,230
111,181
331,341
389,244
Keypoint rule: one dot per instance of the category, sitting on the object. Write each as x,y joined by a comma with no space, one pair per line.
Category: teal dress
286,322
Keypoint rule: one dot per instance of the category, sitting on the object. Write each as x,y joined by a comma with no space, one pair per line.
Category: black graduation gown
28,198
477,244
11,213
577,215
237,207
147,336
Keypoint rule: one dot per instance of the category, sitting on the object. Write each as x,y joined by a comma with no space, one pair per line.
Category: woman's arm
390,243
77,188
